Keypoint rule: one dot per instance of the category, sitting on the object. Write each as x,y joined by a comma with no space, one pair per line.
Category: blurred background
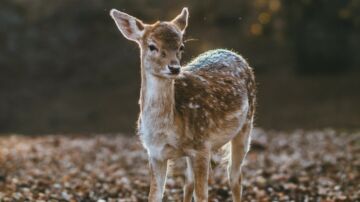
65,68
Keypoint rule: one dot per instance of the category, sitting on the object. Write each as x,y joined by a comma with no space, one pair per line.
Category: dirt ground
321,165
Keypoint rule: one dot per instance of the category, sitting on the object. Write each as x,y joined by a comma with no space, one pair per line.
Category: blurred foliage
323,32
65,67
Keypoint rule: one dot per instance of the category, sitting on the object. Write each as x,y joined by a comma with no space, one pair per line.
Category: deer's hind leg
239,147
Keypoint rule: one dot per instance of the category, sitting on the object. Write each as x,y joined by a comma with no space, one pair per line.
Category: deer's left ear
181,20
131,27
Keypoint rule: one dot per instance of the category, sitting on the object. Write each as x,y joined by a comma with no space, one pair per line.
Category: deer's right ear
131,27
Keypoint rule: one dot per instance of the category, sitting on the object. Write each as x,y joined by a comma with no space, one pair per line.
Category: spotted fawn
189,111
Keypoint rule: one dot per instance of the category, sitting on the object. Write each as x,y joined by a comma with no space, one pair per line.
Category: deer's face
162,47
161,43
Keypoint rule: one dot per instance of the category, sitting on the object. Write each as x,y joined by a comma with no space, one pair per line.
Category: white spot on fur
193,106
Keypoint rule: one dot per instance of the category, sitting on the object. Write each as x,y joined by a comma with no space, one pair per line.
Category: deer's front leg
158,170
189,181
200,167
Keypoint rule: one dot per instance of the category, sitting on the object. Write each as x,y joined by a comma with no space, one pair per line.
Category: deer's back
214,92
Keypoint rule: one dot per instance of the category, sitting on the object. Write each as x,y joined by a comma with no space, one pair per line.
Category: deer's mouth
166,74
174,73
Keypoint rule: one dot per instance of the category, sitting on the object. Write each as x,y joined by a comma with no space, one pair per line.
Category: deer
189,111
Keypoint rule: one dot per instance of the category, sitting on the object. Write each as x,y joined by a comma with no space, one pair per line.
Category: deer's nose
174,69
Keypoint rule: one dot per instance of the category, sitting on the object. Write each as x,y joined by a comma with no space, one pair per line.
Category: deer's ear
181,20
131,27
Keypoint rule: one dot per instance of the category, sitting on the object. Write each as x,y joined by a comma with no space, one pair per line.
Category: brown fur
212,99
211,102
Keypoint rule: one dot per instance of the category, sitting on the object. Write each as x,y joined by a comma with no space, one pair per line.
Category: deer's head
161,43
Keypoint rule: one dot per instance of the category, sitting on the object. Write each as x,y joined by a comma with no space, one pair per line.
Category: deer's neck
157,98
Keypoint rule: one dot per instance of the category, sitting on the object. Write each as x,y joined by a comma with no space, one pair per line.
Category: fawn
189,111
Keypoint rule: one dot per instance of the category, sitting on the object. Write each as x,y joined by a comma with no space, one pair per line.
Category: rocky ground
301,165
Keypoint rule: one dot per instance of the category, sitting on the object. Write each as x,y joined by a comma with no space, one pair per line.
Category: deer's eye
182,47
152,47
